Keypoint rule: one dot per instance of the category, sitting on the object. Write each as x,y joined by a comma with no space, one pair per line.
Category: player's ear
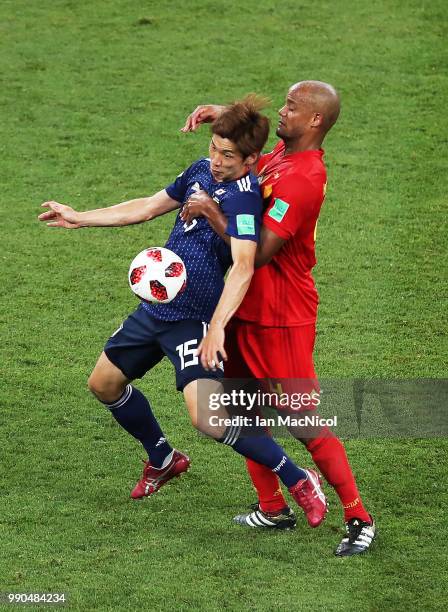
317,120
251,159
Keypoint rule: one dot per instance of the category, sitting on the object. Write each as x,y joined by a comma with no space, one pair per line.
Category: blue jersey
206,256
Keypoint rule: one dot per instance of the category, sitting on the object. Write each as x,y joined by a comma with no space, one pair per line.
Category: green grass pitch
92,98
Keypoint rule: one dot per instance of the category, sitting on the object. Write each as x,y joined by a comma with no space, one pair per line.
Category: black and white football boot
284,519
360,536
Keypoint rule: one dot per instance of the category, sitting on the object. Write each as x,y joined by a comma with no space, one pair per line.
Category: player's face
226,162
295,116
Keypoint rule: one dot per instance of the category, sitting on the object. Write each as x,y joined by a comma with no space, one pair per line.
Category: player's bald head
321,98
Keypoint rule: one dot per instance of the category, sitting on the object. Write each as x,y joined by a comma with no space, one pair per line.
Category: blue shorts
142,341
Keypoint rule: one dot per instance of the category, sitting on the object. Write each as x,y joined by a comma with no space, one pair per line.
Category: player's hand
211,350
199,204
206,113
60,215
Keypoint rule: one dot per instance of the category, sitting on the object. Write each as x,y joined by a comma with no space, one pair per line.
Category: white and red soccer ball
157,275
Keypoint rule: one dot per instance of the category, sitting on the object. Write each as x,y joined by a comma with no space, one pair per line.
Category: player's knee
94,385
199,424
204,427
103,388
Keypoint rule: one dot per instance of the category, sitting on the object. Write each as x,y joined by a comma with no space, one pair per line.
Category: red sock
267,485
329,455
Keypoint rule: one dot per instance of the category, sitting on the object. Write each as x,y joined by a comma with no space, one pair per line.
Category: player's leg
327,451
271,501
129,354
287,353
329,455
253,442
129,407
107,382
180,344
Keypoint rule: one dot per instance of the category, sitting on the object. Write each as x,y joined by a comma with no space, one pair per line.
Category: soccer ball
157,275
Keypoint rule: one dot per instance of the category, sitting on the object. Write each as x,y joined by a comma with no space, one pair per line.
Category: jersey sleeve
244,219
293,204
178,188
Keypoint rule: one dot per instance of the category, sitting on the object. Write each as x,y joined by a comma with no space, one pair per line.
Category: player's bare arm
235,288
126,213
201,204
268,246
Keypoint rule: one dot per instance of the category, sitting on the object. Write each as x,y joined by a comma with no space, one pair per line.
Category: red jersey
283,293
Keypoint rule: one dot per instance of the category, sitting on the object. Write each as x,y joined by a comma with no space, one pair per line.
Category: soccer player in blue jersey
190,329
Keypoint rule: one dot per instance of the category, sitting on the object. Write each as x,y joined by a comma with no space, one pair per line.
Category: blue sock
133,412
263,449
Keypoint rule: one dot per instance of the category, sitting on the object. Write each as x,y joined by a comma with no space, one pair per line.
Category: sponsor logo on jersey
278,211
245,224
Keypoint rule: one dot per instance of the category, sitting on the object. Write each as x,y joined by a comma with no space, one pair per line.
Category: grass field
92,98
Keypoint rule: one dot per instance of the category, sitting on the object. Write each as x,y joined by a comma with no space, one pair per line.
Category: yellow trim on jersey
267,190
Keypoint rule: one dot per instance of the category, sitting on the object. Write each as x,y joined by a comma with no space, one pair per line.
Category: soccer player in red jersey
195,317
273,332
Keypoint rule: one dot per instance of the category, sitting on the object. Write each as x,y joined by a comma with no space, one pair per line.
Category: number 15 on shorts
187,350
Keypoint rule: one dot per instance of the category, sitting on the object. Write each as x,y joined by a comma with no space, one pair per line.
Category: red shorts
272,353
